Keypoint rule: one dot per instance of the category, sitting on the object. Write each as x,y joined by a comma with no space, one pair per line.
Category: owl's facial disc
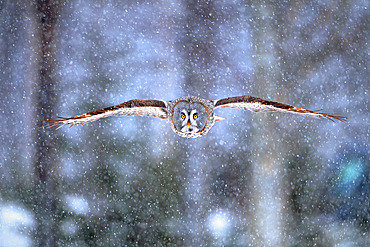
189,123
188,118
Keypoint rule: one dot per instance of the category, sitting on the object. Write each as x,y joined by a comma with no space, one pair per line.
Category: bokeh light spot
219,223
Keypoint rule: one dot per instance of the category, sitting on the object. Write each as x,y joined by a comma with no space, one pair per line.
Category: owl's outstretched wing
150,108
260,105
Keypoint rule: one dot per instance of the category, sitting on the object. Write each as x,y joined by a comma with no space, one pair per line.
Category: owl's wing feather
260,105
150,108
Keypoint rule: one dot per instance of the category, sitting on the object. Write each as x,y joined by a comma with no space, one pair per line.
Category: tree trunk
267,197
44,100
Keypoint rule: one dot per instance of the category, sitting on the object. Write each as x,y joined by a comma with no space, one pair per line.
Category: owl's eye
183,116
195,116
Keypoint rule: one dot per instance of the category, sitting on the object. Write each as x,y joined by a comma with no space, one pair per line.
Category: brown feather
152,108
260,105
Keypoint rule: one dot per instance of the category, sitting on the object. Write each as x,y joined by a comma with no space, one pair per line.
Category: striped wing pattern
260,105
150,108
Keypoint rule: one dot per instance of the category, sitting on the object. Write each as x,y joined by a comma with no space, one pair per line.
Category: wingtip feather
335,117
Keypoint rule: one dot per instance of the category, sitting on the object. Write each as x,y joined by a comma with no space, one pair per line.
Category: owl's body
188,116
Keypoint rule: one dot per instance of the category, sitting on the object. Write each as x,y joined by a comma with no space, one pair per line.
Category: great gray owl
188,116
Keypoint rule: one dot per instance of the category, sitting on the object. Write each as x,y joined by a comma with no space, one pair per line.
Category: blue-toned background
258,179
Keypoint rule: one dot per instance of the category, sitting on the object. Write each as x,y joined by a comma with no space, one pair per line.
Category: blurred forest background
253,180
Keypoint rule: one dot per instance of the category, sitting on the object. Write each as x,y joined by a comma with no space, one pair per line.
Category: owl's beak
189,124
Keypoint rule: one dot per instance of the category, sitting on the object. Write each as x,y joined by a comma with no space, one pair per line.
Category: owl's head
190,116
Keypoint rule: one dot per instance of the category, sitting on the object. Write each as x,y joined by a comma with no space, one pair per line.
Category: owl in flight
188,116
